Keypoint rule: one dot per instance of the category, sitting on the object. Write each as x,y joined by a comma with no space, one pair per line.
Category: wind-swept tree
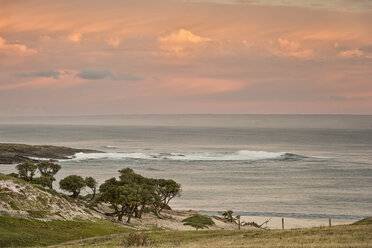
48,168
133,194
73,184
165,190
145,187
91,183
47,171
228,215
26,171
124,198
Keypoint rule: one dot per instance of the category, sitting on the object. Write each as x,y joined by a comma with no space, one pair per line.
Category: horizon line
178,114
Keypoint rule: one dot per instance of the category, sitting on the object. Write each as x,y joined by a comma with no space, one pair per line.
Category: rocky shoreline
17,153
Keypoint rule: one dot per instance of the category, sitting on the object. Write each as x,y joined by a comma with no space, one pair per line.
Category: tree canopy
132,194
48,168
91,183
26,171
47,171
73,184
228,215
46,181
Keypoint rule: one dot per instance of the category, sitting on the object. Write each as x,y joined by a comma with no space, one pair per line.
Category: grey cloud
103,73
366,49
95,74
47,74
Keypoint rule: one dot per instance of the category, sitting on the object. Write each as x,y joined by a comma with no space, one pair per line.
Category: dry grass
337,236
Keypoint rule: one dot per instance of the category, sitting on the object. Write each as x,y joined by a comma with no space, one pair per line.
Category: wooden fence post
283,223
329,221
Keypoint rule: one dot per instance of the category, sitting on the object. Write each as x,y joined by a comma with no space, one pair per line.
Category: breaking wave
292,157
243,155
110,147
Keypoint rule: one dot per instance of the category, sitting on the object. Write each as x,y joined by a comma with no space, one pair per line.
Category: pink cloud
75,37
220,50
15,48
286,48
180,42
352,53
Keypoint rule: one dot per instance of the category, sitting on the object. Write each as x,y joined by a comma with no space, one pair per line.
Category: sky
93,57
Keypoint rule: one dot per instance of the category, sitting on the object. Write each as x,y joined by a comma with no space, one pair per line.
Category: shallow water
285,166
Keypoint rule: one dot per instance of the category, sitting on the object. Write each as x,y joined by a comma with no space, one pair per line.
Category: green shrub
19,232
198,221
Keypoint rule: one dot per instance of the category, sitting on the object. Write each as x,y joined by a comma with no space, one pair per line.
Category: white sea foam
109,156
200,156
110,147
232,156
40,159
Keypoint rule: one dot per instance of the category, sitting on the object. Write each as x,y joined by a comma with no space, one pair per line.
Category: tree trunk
141,211
120,216
75,194
161,207
129,217
130,213
156,213
136,212
116,209
165,203
94,194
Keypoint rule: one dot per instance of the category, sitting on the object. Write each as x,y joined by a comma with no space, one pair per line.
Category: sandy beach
173,221
290,223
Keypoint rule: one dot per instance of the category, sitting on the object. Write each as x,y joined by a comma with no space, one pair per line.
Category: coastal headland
17,153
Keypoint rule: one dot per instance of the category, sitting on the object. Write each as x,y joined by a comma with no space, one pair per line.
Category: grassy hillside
24,232
19,198
33,216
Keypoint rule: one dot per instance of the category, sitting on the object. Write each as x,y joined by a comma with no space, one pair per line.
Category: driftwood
236,220
254,224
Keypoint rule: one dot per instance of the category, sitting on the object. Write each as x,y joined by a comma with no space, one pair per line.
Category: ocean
295,166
